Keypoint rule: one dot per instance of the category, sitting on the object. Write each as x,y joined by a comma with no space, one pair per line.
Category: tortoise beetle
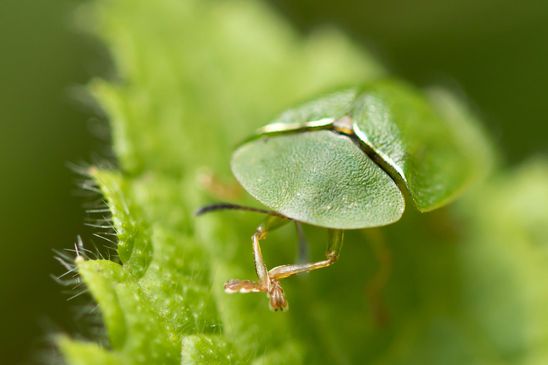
349,160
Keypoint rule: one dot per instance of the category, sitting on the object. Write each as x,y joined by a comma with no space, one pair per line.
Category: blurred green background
495,51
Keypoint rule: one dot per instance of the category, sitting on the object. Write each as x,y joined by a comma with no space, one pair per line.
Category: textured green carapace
319,178
426,152
400,125
335,105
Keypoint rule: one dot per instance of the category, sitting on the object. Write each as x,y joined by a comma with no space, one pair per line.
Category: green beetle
348,161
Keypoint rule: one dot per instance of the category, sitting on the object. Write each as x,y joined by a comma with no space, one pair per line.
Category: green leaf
463,285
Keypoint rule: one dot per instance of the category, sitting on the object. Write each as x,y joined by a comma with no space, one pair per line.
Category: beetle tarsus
276,297
273,290
243,286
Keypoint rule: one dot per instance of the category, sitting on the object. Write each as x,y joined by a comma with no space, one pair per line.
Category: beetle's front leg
332,255
265,283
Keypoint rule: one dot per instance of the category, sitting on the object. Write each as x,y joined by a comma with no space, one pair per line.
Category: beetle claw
276,297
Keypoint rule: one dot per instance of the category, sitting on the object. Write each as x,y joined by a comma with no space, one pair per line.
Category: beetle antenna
229,206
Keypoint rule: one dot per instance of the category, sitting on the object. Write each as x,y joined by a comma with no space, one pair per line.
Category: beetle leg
243,286
380,278
332,254
302,253
220,189
265,283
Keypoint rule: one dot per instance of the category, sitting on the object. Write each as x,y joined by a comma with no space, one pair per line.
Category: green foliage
457,286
